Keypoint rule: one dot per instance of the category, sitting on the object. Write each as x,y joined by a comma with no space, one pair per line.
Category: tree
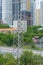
4,26
10,59
7,59
7,39
28,58
1,59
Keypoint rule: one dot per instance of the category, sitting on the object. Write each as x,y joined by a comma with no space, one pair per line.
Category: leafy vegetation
31,32
10,39
26,58
6,39
4,26
7,59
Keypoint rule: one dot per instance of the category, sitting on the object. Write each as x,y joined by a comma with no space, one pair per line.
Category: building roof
7,29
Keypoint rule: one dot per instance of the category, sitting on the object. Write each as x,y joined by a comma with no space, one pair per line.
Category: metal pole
19,23
40,50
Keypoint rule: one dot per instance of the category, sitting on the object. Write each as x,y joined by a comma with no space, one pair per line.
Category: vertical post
40,50
18,32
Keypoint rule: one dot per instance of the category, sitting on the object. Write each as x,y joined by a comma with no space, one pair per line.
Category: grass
2,44
30,47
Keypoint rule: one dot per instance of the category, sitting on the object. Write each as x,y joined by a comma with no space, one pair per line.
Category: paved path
19,51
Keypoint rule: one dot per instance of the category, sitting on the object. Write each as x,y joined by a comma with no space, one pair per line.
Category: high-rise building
37,17
0,9
33,10
30,11
26,11
16,6
12,9
7,11
41,13
28,5
12,13
19,19
36,13
23,9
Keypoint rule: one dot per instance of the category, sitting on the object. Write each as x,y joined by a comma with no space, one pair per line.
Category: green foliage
1,59
4,26
7,59
2,43
28,58
6,39
31,32
10,39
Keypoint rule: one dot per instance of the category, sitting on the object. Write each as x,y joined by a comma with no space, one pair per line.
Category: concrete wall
20,25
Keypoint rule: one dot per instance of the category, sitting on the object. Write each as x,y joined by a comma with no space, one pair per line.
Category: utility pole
19,31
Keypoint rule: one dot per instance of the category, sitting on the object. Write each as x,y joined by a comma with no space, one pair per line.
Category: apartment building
37,17
0,9
7,11
41,13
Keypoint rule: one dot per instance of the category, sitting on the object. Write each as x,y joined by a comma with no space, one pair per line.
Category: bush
6,39
7,59
28,58
4,26
31,32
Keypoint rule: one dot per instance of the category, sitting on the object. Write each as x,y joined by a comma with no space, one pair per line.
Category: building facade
7,11
41,13
28,12
33,12
22,26
16,5
0,9
14,9
28,5
10,11
37,16
19,19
